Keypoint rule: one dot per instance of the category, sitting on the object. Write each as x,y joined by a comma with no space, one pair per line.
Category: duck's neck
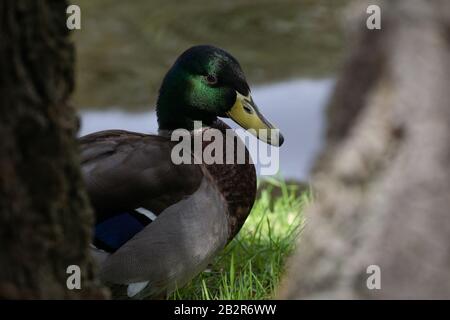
172,117
172,109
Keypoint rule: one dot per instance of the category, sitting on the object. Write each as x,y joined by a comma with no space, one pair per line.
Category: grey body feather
175,247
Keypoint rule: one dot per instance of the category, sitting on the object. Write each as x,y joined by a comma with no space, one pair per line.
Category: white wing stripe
147,213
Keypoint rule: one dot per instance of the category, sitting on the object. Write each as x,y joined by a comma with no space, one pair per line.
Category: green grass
250,267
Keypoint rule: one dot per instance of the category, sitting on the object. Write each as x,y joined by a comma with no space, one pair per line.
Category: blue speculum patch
114,232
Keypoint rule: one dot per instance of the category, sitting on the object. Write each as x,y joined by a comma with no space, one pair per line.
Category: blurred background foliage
125,48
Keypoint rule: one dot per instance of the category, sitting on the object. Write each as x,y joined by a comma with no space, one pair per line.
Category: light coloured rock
383,179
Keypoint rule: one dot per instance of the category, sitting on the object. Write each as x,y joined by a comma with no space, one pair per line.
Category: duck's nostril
248,109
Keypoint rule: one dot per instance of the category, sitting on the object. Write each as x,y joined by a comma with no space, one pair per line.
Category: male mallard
158,224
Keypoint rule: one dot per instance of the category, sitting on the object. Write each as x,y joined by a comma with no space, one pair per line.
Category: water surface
296,107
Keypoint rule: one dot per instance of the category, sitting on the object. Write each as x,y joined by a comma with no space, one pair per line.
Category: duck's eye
210,79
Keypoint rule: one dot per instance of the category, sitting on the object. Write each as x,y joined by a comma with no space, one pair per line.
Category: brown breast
236,181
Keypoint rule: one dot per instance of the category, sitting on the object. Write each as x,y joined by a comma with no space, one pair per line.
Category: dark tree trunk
45,218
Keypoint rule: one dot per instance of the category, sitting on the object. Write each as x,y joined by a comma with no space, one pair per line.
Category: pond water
296,107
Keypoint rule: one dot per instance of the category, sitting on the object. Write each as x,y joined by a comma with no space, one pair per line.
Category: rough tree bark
383,180
45,218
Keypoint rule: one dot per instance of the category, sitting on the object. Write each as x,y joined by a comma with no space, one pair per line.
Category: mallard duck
158,223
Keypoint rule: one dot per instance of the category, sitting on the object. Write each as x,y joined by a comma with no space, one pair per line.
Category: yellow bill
246,114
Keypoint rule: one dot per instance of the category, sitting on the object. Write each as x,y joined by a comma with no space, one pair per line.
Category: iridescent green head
205,83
